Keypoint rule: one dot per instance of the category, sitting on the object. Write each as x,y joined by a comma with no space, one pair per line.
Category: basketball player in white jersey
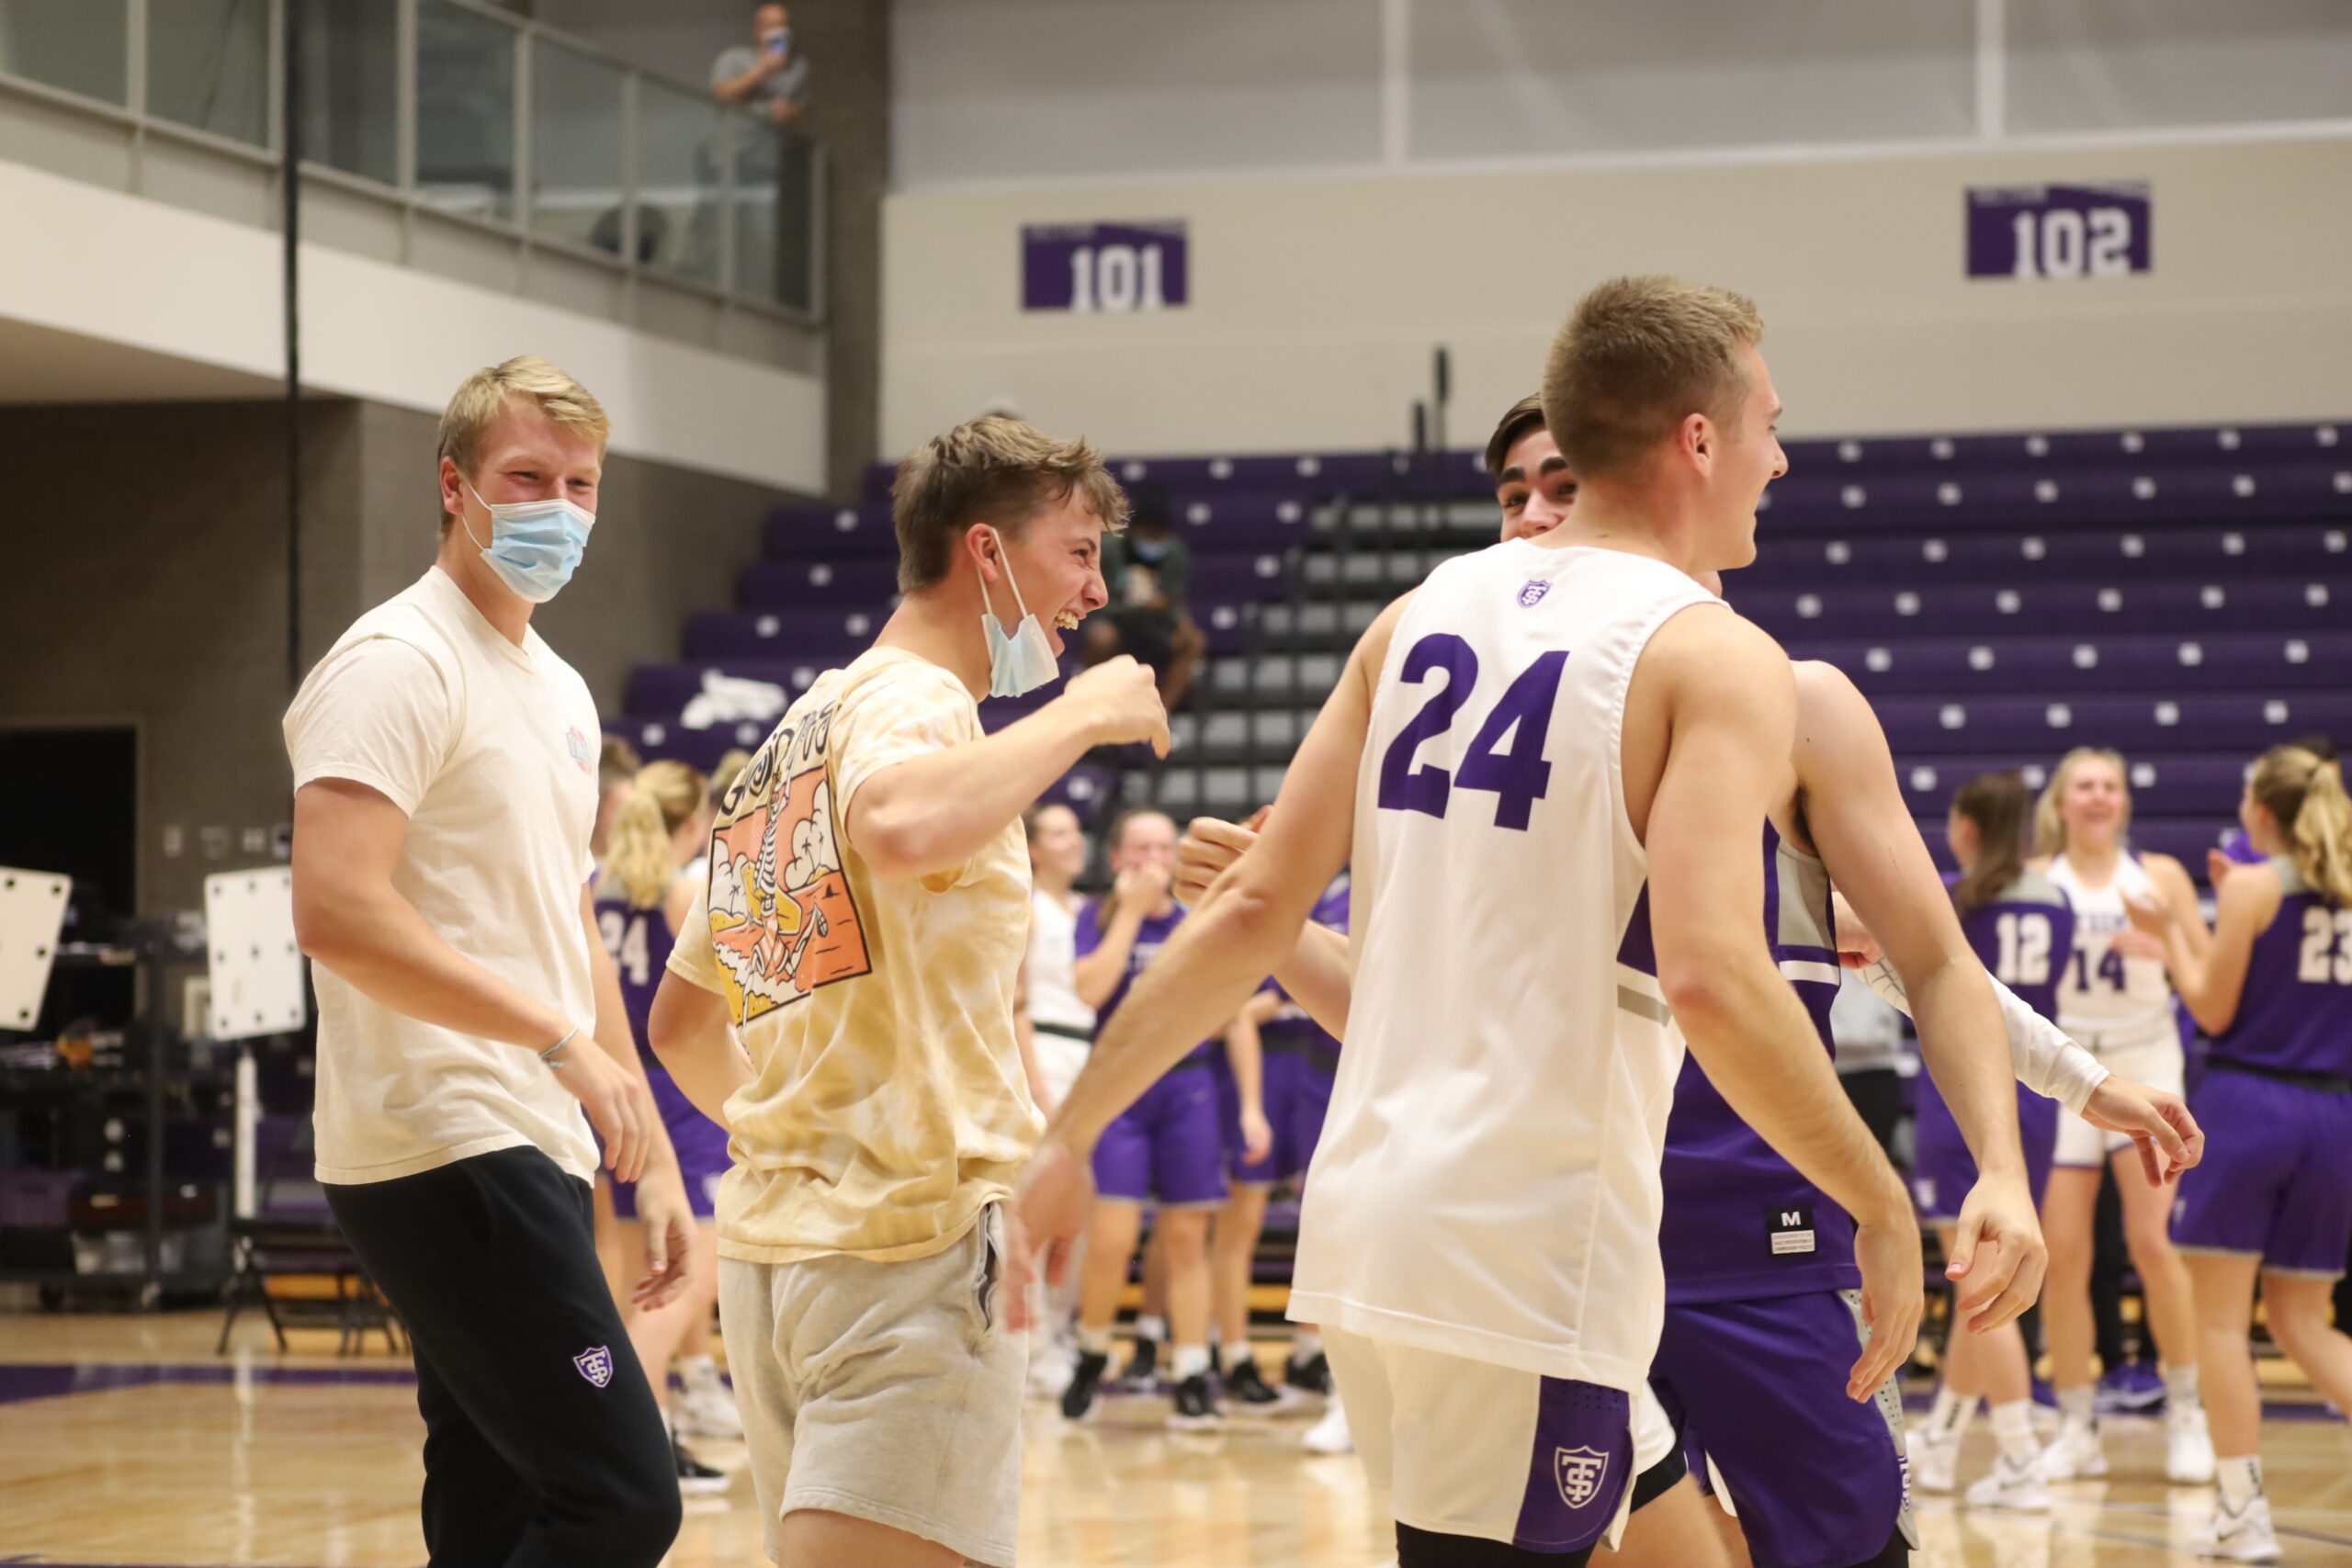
1541,739
1056,1027
1827,1485
2114,999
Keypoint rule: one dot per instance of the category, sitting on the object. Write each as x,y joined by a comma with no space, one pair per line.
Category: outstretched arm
1859,821
1725,695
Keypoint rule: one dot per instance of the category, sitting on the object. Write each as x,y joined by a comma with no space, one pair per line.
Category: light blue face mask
1023,661
535,546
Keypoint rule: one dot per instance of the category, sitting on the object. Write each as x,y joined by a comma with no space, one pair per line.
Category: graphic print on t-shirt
782,921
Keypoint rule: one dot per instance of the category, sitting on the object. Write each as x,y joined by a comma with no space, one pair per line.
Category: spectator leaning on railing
767,77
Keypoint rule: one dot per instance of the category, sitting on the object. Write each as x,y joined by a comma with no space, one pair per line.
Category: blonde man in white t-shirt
867,910
444,773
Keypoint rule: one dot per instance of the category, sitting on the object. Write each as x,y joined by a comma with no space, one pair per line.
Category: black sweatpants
543,1444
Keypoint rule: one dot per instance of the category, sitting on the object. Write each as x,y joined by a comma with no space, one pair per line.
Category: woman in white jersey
1060,1030
1059,1020
2115,1001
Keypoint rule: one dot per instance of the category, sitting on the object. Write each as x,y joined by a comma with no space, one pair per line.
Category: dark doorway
73,807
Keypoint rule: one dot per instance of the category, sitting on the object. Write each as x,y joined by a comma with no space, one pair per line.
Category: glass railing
463,108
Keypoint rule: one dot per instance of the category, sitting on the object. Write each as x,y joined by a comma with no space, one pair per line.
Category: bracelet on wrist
547,1055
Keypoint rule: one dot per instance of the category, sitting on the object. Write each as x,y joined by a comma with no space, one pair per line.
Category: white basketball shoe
2244,1536
1331,1434
2017,1487
1935,1463
2188,1447
2075,1454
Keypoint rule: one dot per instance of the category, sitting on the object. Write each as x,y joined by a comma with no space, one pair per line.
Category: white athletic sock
1305,1345
1190,1361
2079,1405
2241,1481
1949,1417
2013,1430
1151,1328
2180,1387
1094,1341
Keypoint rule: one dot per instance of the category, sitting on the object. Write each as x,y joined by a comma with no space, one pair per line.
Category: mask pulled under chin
1021,663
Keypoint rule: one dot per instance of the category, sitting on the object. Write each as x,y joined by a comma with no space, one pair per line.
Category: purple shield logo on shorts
1532,591
1579,1472
595,1364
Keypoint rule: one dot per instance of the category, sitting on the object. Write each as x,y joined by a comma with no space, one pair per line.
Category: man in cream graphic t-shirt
868,908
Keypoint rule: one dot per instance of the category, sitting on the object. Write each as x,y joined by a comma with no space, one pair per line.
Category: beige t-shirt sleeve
691,957
898,713
378,713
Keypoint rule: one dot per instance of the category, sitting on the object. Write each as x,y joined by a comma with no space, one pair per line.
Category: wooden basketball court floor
124,1441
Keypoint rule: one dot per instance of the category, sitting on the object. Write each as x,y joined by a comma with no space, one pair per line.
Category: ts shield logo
595,1364
1532,591
1579,1472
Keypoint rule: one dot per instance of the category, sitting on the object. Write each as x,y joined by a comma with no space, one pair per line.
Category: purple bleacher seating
1812,498
804,533
2188,607
668,688
2164,783
2105,553
1085,789
825,636
2032,727
843,585
661,735
1248,519
2099,448
2089,663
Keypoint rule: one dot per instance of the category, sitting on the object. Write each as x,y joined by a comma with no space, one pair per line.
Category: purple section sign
1094,267
2058,232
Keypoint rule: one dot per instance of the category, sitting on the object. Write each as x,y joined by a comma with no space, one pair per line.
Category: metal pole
291,221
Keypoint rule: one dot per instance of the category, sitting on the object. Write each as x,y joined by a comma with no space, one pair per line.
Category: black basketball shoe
1085,1382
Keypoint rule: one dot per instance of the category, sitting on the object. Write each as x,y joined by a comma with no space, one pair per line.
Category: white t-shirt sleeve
379,714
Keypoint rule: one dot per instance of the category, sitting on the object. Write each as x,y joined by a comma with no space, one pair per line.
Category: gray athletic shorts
889,1391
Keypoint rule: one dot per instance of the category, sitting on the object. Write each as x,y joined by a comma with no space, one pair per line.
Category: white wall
190,291
1315,298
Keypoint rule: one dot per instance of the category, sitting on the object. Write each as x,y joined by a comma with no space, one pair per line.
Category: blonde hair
993,469
2049,828
659,800
1634,358
476,405
2305,792
730,768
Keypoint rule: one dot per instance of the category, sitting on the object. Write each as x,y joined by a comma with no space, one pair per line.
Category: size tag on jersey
1792,1230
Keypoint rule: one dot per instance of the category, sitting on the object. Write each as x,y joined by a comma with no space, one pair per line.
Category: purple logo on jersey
1532,591
1579,1472
595,1364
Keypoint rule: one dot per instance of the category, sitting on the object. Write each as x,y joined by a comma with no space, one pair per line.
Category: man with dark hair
1149,571
868,908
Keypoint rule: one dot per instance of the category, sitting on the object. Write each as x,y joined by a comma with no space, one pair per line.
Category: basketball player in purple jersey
2114,997
2274,991
1505,1066
1166,1149
660,828
2022,928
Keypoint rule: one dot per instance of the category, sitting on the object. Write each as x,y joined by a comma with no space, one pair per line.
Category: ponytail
661,798
2049,828
2314,816
1996,803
